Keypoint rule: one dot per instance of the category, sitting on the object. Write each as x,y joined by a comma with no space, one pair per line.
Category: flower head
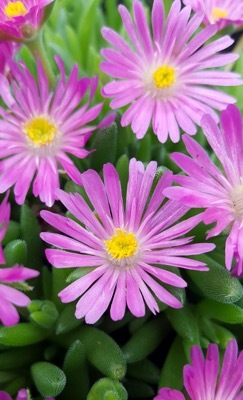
10,297
219,12
41,127
166,76
21,19
221,193
204,379
124,245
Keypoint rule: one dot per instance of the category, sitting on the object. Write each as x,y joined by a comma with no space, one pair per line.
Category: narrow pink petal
118,305
65,259
135,300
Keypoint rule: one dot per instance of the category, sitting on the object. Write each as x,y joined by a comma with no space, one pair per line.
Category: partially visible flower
41,127
221,193
126,245
23,394
4,220
21,19
220,12
167,77
205,380
7,50
10,297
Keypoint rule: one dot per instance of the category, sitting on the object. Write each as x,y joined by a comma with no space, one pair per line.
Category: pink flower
204,380
206,186
166,77
21,19
220,12
11,297
23,394
41,127
126,245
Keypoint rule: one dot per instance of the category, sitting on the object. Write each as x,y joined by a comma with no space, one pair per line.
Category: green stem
36,47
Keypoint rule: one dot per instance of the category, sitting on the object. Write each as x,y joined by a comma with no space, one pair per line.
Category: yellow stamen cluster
219,13
15,9
164,76
40,130
121,245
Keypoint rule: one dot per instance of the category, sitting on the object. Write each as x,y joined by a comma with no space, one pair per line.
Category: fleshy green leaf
48,378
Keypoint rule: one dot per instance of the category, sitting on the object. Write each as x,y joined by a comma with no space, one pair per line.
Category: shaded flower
220,12
166,76
204,379
10,297
20,19
206,186
40,127
124,244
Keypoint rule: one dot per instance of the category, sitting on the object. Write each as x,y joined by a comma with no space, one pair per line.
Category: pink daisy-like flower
19,19
4,220
125,244
40,127
220,12
166,76
221,193
205,380
11,297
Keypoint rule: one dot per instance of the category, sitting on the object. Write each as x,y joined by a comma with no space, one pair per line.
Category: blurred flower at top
40,127
221,193
125,245
166,77
7,51
21,19
10,297
205,380
220,12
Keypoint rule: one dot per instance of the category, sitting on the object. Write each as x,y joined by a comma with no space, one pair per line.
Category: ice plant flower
166,76
125,245
4,220
21,19
10,297
204,379
220,12
41,127
220,192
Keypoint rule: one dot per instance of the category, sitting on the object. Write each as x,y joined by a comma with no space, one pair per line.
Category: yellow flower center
40,130
164,76
219,13
15,9
237,198
121,245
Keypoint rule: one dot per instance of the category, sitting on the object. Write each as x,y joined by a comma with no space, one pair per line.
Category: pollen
15,9
40,130
122,245
164,76
219,13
